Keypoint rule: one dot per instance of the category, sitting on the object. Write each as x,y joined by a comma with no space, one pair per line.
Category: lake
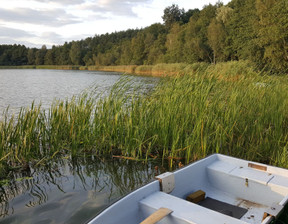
20,87
66,189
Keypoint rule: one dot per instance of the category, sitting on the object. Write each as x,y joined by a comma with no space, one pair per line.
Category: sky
52,22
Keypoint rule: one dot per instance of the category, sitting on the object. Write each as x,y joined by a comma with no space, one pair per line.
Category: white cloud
56,21
57,17
62,2
6,32
114,7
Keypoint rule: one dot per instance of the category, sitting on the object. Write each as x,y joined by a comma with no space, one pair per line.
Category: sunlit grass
238,112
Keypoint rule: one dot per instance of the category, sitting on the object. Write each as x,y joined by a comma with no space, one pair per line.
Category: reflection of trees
112,177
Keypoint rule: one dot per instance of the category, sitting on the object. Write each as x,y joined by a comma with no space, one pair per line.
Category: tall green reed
184,118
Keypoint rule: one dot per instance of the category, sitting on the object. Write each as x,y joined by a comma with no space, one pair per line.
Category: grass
226,108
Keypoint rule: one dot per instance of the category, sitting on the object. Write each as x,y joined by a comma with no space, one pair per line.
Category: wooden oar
157,216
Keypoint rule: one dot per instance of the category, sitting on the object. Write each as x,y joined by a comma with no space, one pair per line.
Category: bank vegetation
226,108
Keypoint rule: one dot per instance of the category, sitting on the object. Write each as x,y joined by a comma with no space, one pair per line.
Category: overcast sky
52,22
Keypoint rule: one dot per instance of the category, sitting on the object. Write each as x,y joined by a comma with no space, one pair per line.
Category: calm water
65,190
70,190
19,88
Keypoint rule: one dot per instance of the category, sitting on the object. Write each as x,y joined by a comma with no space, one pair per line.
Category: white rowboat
223,190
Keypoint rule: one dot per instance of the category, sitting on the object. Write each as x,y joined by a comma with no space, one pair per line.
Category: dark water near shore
71,190
66,190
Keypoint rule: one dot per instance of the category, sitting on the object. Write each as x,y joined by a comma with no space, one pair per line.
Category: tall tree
174,44
50,57
241,31
185,17
40,54
273,32
64,58
172,14
138,49
31,55
75,53
216,40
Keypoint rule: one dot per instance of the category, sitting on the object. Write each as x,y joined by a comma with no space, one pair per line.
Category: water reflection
66,190
70,190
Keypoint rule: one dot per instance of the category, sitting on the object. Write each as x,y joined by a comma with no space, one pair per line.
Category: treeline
255,30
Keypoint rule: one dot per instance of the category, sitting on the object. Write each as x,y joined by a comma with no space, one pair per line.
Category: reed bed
61,67
18,67
114,68
184,118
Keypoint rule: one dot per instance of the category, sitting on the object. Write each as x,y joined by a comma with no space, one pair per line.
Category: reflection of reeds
110,179
226,108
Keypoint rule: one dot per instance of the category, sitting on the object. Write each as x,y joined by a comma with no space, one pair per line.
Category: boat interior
218,189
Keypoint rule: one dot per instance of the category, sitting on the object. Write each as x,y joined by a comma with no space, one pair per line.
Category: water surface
65,190
20,87
70,190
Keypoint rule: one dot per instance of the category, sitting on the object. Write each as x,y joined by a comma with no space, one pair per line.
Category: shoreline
158,70
224,70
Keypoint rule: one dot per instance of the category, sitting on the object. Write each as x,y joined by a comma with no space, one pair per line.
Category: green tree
75,53
216,40
172,14
273,32
157,50
242,31
125,56
223,14
49,57
196,47
154,40
174,44
18,55
64,58
31,55
185,17
40,54
138,49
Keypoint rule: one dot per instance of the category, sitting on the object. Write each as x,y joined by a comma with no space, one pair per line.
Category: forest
253,30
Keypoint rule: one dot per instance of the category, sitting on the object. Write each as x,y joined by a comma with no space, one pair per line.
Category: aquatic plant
231,110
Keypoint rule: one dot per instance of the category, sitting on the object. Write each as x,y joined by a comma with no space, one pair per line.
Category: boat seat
245,182
255,175
183,211
259,176
279,184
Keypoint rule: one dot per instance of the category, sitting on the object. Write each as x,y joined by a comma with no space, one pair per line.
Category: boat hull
259,190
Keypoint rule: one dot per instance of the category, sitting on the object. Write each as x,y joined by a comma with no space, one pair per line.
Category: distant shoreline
163,70
158,70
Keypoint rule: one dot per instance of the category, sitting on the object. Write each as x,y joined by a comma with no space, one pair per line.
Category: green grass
226,108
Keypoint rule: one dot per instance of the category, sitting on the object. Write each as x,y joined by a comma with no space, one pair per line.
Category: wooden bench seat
183,211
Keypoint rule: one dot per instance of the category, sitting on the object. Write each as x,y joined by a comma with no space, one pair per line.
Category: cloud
12,36
62,2
52,37
6,32
114,7
56,17
15,36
